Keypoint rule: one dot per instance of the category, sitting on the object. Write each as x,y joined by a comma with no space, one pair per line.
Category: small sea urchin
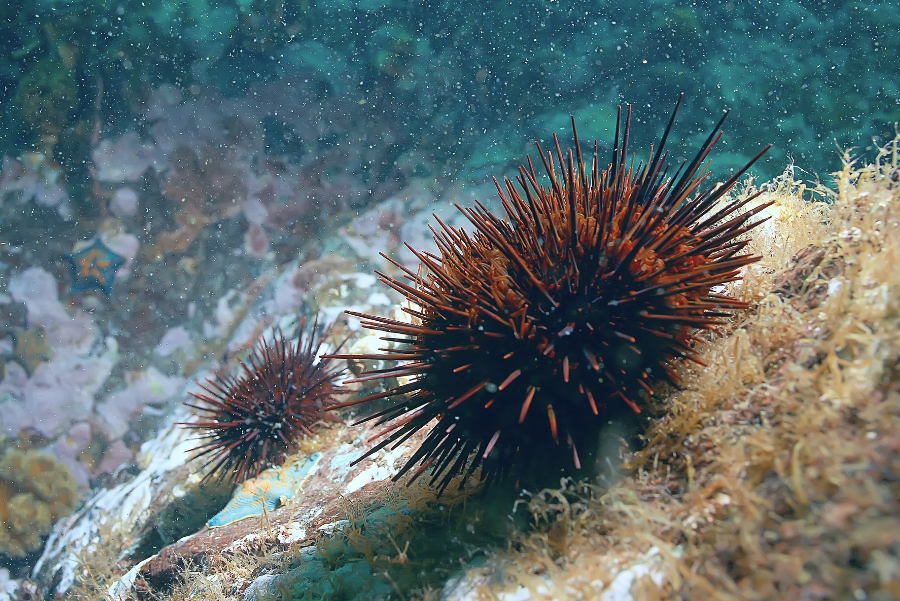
533,331
253,419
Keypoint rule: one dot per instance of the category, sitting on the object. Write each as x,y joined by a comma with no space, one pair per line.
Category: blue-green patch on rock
266,492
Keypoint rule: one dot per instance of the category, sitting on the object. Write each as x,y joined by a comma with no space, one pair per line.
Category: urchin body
254,419
535,330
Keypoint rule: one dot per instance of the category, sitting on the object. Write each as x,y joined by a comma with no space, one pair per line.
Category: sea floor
771,475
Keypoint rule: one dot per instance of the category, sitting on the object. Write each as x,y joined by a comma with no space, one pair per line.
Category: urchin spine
579,299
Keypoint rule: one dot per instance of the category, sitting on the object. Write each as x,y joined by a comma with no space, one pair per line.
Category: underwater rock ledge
772,474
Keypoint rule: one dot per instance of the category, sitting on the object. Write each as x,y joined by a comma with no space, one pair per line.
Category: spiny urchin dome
253,420
530,333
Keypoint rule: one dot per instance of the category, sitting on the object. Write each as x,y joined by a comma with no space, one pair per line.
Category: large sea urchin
535,330
253,419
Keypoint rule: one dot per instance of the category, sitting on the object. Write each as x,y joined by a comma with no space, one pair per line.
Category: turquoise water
453,80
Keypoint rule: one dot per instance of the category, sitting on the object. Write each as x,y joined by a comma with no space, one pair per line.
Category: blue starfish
94,267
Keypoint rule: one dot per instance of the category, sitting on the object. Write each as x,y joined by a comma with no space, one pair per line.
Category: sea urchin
533,331
253,419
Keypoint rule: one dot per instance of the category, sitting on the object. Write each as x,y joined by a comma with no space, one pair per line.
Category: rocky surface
320,506
164,462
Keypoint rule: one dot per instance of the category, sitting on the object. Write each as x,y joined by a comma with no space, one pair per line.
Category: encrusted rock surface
322,502
165,464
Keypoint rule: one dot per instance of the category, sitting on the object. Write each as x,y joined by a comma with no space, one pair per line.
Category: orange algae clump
35,491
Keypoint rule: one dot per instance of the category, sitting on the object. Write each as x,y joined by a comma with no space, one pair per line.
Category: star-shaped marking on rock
94,267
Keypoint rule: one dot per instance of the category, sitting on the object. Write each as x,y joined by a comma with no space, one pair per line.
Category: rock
131,507
317,507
